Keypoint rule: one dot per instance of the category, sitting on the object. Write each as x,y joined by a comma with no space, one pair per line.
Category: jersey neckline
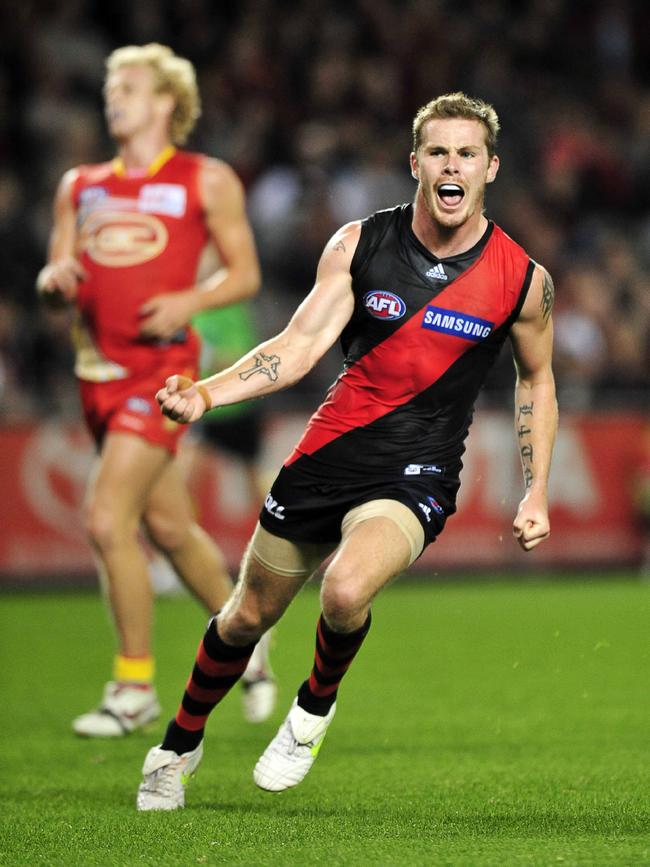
471,253
153,168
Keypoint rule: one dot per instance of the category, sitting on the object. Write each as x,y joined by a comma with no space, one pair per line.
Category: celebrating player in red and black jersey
422,298
140,244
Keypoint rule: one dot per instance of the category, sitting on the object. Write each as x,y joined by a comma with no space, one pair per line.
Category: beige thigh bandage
283,557
396,512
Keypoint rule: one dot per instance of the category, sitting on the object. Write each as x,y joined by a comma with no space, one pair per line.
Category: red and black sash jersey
423,335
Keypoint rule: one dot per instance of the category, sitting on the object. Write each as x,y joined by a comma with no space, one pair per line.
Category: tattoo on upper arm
524,429
340,246
265,364
548,296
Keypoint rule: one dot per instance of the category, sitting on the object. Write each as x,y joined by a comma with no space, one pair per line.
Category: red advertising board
44,469
593,521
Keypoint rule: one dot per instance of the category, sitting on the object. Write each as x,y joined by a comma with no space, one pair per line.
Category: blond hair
173,74
458,104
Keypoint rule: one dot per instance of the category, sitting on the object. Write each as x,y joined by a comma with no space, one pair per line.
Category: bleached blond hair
458,105
173,74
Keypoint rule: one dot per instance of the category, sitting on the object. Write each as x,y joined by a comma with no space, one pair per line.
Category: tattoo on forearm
265,364
548,295
524,429
340,246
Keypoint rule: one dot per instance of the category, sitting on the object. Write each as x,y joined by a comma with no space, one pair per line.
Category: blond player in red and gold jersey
141,244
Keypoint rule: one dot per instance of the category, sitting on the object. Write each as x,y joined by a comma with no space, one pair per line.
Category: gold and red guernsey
423,336
140,235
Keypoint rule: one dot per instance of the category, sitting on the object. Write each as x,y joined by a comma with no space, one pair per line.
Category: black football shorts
302,507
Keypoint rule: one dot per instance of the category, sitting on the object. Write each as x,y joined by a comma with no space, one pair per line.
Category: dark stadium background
311,102
498,720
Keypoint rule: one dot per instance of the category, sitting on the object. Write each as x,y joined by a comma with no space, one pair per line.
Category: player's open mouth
450,194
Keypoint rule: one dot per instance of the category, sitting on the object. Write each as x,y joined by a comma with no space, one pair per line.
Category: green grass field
482,724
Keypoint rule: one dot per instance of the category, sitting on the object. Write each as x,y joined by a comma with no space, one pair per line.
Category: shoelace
161,782
290,745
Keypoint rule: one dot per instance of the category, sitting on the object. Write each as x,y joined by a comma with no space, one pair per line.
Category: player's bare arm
238,275
225,207
536,414
57,282
286,358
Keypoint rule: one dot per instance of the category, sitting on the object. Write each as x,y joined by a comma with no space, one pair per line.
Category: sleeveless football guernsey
139,236
421,340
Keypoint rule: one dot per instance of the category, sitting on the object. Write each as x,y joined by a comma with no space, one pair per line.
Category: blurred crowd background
311,102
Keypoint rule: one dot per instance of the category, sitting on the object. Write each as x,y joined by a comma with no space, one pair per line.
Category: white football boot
165,775
258,683
123,709
288,758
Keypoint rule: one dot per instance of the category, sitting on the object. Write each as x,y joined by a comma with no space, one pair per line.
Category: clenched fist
531,524
183,400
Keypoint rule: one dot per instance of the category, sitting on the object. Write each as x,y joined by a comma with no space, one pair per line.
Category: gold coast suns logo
118,239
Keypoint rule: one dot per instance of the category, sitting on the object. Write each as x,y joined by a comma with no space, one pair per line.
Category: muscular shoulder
340,248
93,173
218,179
540,298
65,190
346,237
70,178
81,176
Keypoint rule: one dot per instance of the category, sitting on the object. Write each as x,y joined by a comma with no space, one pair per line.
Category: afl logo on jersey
384,305
117,239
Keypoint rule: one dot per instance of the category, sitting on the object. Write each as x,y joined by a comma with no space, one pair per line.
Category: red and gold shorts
130,406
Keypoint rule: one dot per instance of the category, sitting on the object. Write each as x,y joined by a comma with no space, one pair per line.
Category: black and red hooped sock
217,669
334,654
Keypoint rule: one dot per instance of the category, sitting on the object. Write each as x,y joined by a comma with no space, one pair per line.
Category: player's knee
166,534
100,526
108,527
242,624
343,604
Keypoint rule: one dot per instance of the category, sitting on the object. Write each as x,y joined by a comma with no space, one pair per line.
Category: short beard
440,219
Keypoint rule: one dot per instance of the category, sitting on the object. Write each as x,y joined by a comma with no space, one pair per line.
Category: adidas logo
436,273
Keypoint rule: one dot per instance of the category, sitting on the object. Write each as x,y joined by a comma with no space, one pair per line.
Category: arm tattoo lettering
265,364
548,296
524,429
